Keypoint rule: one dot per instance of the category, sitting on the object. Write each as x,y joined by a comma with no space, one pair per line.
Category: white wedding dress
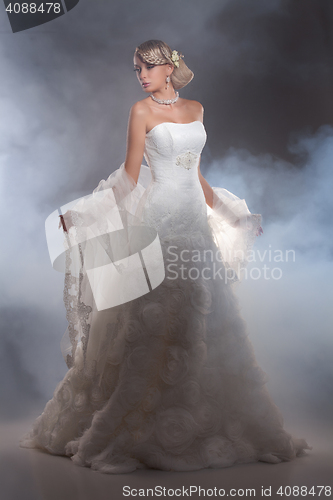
169,379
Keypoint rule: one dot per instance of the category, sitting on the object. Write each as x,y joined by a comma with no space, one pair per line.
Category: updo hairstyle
158,53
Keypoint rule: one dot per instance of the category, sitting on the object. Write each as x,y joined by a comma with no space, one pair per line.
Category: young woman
165,378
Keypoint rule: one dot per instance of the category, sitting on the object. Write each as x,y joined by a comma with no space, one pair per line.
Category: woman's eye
151,67
136,69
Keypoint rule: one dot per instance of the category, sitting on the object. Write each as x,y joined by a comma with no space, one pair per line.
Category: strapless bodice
175,199
172,150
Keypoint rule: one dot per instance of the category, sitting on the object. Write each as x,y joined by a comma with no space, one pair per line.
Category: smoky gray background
263,72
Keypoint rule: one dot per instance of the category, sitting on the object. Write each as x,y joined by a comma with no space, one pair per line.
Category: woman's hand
62,223
65,221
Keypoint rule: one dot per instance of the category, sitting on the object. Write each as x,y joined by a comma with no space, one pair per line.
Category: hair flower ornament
175,57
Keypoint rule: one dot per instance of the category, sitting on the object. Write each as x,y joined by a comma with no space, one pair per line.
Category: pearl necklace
165,101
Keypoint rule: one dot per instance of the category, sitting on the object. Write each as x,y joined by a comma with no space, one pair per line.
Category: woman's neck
164,94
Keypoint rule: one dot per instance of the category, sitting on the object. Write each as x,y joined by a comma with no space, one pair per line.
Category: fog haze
263,72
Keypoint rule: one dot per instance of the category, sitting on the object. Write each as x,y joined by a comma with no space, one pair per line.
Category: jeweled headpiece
175,57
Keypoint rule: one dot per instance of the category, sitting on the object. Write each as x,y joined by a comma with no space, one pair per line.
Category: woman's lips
145,84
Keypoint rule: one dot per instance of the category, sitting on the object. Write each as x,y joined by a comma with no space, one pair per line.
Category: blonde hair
158,53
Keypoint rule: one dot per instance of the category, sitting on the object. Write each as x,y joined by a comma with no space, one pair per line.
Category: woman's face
151,77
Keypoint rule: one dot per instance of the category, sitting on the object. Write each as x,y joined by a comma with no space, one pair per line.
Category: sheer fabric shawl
101,232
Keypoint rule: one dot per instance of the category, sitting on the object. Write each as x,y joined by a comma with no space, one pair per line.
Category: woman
166,378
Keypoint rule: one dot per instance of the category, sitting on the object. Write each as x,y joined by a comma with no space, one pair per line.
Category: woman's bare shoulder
195,108
140,108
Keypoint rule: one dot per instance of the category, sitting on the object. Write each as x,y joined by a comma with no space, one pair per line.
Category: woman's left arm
209,195
208,192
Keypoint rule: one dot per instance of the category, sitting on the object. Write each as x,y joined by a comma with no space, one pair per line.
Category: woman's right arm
136,134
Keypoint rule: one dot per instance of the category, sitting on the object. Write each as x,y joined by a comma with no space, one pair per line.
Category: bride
161,371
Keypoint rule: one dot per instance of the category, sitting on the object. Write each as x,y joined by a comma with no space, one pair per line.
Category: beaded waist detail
187,160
